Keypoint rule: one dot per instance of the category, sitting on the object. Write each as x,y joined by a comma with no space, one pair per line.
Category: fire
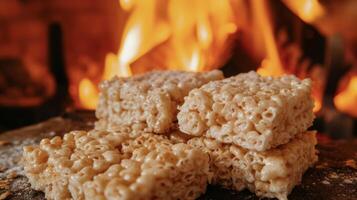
114,67
271,65
195,33
346,100
189,35
308,10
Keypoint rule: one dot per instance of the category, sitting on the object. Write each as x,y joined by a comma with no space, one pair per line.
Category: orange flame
188,35
271,65
195,33
307,10
346,101
88,93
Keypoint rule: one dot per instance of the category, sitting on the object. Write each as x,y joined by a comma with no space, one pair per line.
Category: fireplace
53,54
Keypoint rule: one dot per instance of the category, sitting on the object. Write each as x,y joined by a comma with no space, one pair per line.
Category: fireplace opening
54,54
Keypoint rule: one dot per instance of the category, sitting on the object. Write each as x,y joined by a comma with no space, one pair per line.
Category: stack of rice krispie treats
166,135
254,129
127,155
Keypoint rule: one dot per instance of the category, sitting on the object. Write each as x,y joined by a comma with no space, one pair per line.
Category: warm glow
346,101
307,10
88,94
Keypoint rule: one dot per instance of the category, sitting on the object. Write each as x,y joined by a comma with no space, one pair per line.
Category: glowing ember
346,100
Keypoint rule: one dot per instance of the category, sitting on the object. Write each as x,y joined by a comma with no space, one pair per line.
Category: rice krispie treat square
111,165
254,112
154,171
273,173
148,102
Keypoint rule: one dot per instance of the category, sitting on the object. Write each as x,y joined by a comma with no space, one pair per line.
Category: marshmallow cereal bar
273,173
254,112
111,165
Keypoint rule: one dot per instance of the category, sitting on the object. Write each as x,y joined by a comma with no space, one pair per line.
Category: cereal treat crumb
254,112
273,173
148,102
111,165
